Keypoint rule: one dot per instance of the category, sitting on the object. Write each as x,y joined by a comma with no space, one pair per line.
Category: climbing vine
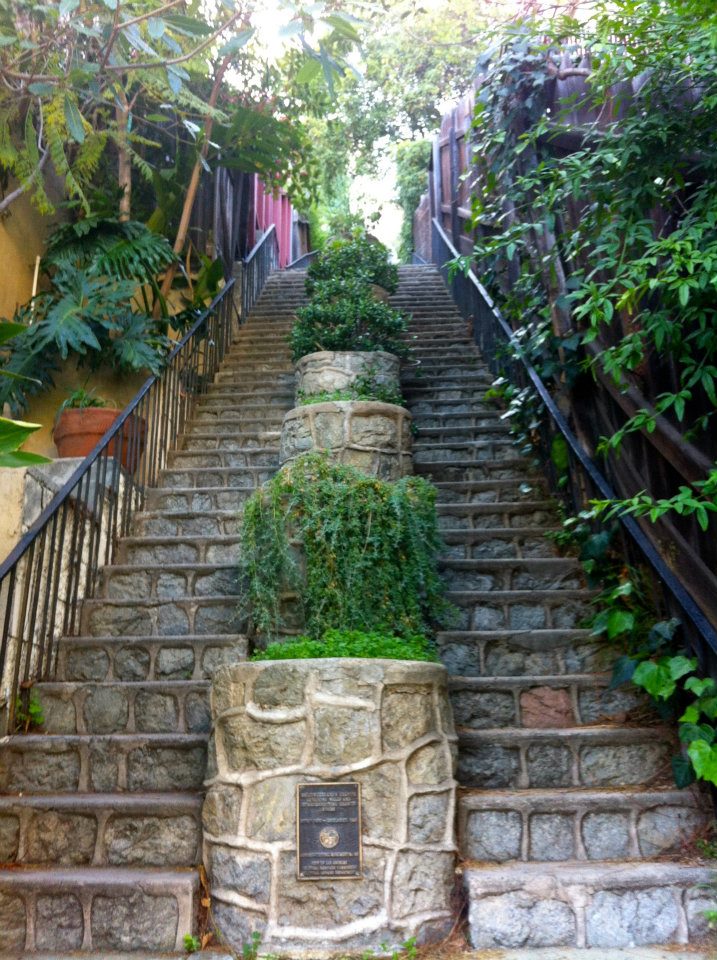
599,236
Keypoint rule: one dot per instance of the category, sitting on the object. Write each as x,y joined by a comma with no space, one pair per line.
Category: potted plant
83,419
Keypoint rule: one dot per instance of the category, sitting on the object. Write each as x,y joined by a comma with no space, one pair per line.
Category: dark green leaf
73,118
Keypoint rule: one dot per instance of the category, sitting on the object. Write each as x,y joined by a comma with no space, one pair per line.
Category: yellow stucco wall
22,239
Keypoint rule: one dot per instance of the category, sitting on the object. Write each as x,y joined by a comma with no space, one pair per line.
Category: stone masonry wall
384,723
373,437
334,370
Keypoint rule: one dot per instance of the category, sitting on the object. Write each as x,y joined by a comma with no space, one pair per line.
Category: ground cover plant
368,552
351,643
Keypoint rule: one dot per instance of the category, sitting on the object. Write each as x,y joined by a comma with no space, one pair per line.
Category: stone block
623,764
344,735
667,828
106,710
429,765
132,664
489,765
135,921
61,838
155,712
302,903
493,835
484,710
152,841
632,918
275,687
518,919
89,664
58,711
427,817
236,924
422,883
251,743
197,713
549,765
104,767
50,769
9,837
546,708
13,922
601,705
381,795
59,924
406,714
166,768
242,871
552,836
221,810
606,835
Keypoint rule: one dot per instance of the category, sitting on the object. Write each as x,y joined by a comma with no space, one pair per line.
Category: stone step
598,756
260,378
540,702
500,574
97,908
134,763
168,581
468,470
225,418
498,542
521,653
451,433
183,500
268,394
192,523
149,551
141,658
201,440
102,829
268,364
492,491
254,457
186,616
230,478
587,905
441,407
521,609
157,706
428,424
463,451
499,514
627,824
432,377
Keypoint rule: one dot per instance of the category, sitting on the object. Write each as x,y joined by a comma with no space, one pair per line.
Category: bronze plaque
328,831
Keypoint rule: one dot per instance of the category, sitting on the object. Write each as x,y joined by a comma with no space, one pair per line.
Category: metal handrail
492,333
57,563
303,261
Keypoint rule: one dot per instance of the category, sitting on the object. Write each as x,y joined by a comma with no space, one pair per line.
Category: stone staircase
100,813
570,830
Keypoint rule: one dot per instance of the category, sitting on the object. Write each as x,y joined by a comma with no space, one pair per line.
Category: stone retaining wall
373,437
327,371
384,723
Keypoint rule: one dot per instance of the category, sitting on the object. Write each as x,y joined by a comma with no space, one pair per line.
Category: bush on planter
343,315
356,257
351,643
368,557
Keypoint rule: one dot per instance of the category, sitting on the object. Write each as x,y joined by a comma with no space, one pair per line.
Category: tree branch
11,197
153,64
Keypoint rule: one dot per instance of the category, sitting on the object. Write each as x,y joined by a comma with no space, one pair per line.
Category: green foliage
612,244
13,433
369,551
192,944
353,258
250,949
81,400
411,182
28,712
351,643
344,315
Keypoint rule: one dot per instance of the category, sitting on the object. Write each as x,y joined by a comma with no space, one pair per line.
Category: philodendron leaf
9,330
13,433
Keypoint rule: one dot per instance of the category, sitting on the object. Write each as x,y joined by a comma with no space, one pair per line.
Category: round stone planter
327,371
383,724
371,436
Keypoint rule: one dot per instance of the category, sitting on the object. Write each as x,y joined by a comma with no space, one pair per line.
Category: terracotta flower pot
78,431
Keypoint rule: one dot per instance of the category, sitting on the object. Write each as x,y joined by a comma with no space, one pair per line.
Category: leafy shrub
343,315
351,643
369,551
355,257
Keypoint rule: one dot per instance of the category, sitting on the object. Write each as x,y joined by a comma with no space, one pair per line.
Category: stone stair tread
593,874
508,596
596,732
72,739
508,506
537,680
117,802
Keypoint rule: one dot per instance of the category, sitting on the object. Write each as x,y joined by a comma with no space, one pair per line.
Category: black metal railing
301,263
57,562
577,480
257,267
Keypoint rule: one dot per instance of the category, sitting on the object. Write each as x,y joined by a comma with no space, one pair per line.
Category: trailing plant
357,257
351,643
343,315
602,255
28,712
366,557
